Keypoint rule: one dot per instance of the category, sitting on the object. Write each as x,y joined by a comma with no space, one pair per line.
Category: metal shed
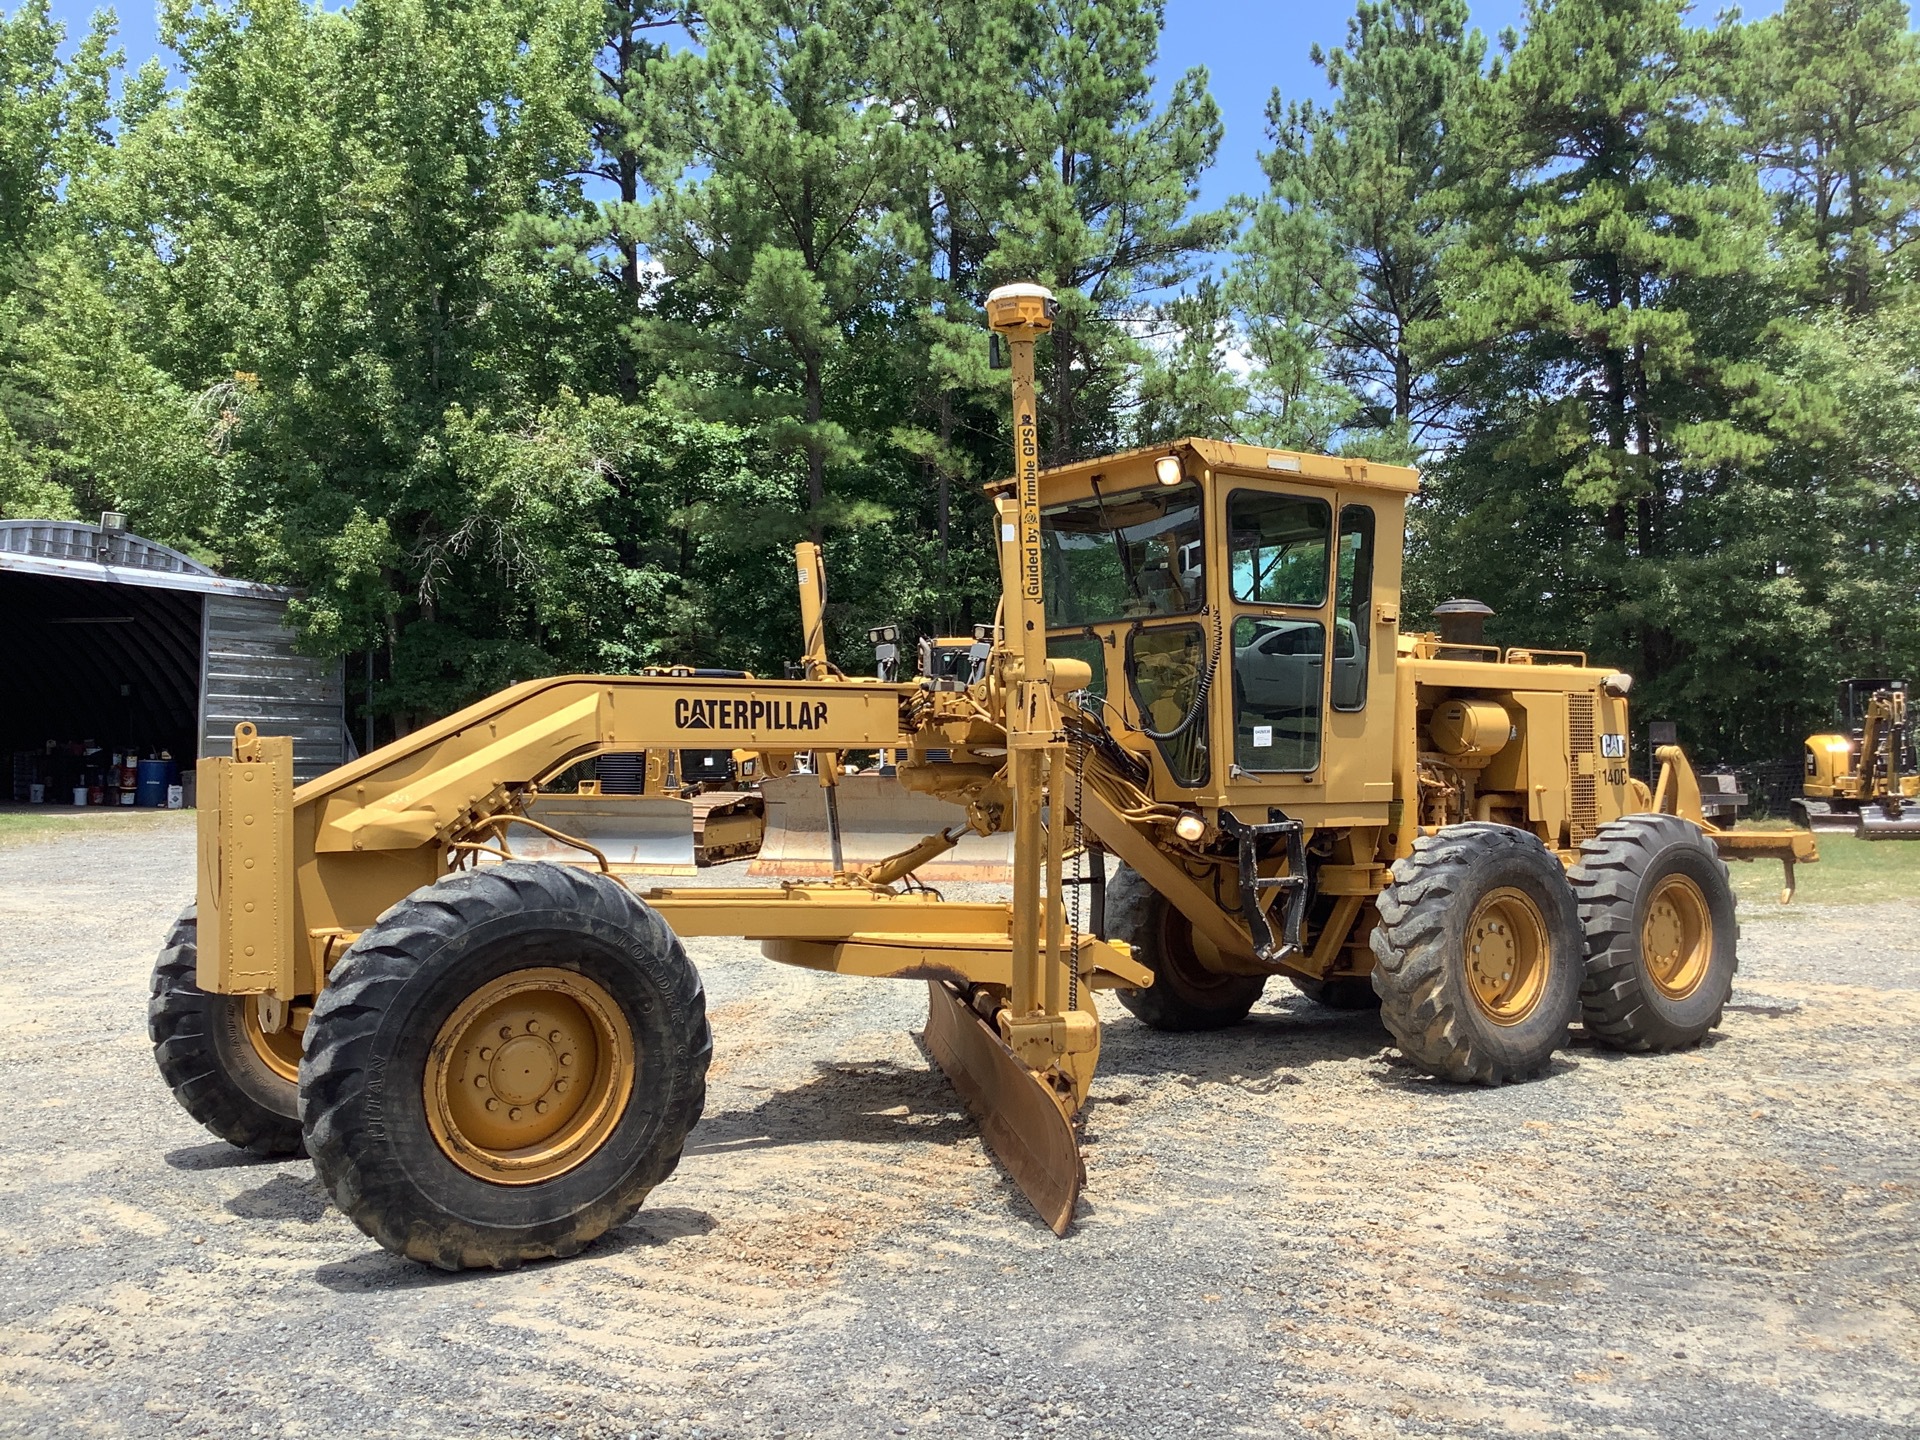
105,635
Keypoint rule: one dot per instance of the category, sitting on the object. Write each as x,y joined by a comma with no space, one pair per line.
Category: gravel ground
1284,1231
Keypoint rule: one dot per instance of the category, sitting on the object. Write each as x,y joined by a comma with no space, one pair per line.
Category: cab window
1353,607
1083,647
1278,669
1278,548
1165,665
1133,555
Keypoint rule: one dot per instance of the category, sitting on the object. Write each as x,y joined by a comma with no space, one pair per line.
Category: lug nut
492,1104
486,1052
567,1059
533,1027
562,1085
539,1107
553,1036
506,1032
514,1113
480,1081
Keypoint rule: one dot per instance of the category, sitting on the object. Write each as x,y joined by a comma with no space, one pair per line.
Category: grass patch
24,825
1849,872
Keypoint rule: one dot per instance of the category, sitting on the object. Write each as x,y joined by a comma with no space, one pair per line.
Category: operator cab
1238,605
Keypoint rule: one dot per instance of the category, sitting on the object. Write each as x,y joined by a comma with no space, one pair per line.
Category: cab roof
1117,470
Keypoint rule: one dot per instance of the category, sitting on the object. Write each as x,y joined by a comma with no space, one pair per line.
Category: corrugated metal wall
251,671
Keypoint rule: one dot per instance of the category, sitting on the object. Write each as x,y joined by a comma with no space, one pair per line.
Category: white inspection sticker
1263,737
1006,534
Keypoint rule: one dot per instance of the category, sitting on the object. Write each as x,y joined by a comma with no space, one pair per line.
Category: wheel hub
1676,937
529,1076
279,1050
1506,944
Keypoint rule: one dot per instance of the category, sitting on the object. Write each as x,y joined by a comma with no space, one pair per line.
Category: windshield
1123,556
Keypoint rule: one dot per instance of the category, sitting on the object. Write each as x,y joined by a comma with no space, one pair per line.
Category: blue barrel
152,785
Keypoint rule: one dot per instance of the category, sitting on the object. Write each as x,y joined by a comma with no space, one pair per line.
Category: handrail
1531,654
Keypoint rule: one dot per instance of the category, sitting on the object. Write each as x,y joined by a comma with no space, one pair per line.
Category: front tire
504,1065
1661,935
225,1070
1185,994
1478,954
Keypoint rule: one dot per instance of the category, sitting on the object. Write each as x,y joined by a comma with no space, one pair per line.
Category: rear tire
504,1066
1185,995
218,1065
1661,934
1478,955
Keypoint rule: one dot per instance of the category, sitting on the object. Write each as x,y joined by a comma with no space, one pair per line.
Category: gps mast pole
1035,744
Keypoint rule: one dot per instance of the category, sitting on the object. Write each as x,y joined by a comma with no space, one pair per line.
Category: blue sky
1248,48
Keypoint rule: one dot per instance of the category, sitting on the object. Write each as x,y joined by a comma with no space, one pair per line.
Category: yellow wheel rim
1507,956
529,1076
1676,938
279,1050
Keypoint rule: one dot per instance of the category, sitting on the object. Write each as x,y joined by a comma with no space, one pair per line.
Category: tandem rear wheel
1478,958
1658,913
504,1066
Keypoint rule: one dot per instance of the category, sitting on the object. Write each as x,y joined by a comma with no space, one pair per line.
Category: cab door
1304,645
1278,607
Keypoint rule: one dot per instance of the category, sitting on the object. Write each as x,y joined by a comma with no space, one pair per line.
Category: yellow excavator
1199,668
1865,778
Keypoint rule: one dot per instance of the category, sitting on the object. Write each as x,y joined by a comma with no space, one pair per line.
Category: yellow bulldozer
1199,668
1864,778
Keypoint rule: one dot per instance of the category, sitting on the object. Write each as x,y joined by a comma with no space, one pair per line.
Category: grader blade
1025,1129
879,817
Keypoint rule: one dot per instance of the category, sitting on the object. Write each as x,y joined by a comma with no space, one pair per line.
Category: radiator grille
1585,817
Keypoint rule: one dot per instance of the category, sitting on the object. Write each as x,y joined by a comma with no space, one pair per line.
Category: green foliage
528,335
1344,254
1105,215
1623,392
1829,95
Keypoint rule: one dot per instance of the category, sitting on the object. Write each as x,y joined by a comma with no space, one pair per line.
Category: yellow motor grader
1199,668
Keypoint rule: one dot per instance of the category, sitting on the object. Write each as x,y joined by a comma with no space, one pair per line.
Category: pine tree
1829,94
769,222
1107,216
1610,330
943,64
1344,251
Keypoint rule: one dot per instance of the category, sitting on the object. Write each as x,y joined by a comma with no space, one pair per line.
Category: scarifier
1198,668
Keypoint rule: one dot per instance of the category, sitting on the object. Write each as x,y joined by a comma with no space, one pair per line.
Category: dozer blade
643,835
1026,1131
879,817
1876,824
